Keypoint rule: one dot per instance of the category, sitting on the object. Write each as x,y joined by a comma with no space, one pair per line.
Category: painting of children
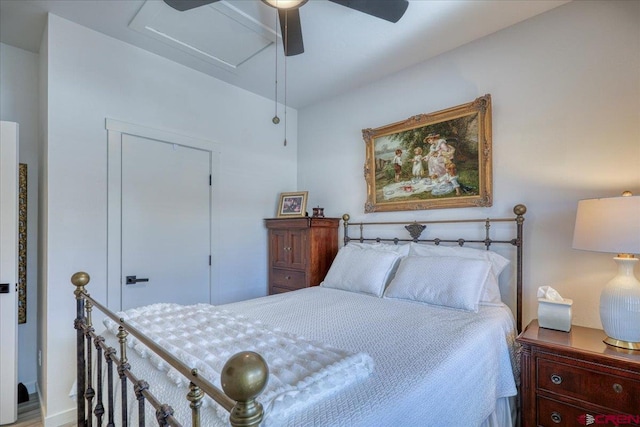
447,160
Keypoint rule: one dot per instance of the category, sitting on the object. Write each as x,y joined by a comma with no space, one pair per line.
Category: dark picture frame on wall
292,204
22,243
429,161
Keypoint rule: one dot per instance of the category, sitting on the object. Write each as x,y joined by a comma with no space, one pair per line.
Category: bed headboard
415,229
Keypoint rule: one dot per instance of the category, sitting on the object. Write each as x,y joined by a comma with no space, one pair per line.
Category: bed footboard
243,377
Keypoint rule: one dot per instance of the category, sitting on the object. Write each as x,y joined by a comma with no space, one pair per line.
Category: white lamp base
620,307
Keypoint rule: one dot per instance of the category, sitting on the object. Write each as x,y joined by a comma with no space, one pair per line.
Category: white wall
92,77
565,91
43,110
19,103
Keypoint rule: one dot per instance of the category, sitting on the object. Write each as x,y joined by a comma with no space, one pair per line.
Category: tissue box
555,314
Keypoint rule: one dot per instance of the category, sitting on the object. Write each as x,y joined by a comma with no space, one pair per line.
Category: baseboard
68,417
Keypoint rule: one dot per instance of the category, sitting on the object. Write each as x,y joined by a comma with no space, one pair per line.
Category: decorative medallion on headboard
415,230
436,160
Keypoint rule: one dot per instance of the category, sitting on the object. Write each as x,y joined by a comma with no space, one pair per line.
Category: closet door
8,272
166,223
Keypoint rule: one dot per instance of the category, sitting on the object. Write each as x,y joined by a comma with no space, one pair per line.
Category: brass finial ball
244,376
520,209
346,217
80,279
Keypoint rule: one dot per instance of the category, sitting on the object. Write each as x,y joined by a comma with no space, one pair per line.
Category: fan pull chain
276,119
286,45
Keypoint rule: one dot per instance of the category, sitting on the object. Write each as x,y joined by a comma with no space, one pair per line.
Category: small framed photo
292,204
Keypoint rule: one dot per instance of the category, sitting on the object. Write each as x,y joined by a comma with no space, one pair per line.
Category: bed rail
243,377
416,228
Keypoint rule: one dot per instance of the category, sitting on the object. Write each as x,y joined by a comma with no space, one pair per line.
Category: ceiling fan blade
183,5
389,10
291,31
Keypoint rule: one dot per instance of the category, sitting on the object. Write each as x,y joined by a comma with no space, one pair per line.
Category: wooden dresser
301,251
573,379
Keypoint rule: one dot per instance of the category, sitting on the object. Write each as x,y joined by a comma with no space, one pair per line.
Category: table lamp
613,225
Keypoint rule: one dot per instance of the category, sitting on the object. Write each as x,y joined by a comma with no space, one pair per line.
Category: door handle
4,288
132,280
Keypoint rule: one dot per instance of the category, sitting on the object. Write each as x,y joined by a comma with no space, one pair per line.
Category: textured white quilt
205,337
433,366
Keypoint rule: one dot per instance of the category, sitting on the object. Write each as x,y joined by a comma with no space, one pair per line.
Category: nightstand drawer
552,413
288,278
615,392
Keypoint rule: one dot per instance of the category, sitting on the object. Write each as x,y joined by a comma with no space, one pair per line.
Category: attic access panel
217,33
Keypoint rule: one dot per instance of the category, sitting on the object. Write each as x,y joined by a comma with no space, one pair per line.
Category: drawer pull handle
556,379
556,417
288,277
617,388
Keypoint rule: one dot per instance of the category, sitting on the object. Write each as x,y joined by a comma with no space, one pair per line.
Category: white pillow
453,282
491,287
403,249
361,270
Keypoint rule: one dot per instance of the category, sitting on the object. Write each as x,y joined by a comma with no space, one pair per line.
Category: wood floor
29,413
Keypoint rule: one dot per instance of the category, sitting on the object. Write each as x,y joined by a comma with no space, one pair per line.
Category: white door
8,272
166,223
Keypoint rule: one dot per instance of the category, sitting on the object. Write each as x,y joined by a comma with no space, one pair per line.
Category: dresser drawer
603,389
289,279
277,290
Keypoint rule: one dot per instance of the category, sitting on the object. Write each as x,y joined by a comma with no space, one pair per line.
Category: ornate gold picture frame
436,160
292,204
22,243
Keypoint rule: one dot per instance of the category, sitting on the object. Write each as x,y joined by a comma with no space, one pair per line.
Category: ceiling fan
289,15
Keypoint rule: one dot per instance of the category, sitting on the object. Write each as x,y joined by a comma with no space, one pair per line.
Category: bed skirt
505,413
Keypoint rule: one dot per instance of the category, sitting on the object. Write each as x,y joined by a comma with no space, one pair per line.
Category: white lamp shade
608,225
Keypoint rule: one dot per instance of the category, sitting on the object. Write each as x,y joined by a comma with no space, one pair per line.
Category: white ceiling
344,48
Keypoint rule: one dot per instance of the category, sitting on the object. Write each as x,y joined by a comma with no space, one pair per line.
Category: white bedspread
433,366
205,337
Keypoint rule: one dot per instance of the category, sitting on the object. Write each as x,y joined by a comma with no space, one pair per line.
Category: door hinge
209,259
209,179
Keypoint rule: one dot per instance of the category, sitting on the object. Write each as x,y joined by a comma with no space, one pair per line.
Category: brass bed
245,374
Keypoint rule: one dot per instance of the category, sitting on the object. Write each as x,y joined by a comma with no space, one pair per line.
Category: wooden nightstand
568,377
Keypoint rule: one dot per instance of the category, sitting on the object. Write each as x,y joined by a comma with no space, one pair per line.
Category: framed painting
292,205
436,160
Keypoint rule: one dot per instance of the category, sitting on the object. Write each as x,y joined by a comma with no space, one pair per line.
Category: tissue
554,312
547,292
